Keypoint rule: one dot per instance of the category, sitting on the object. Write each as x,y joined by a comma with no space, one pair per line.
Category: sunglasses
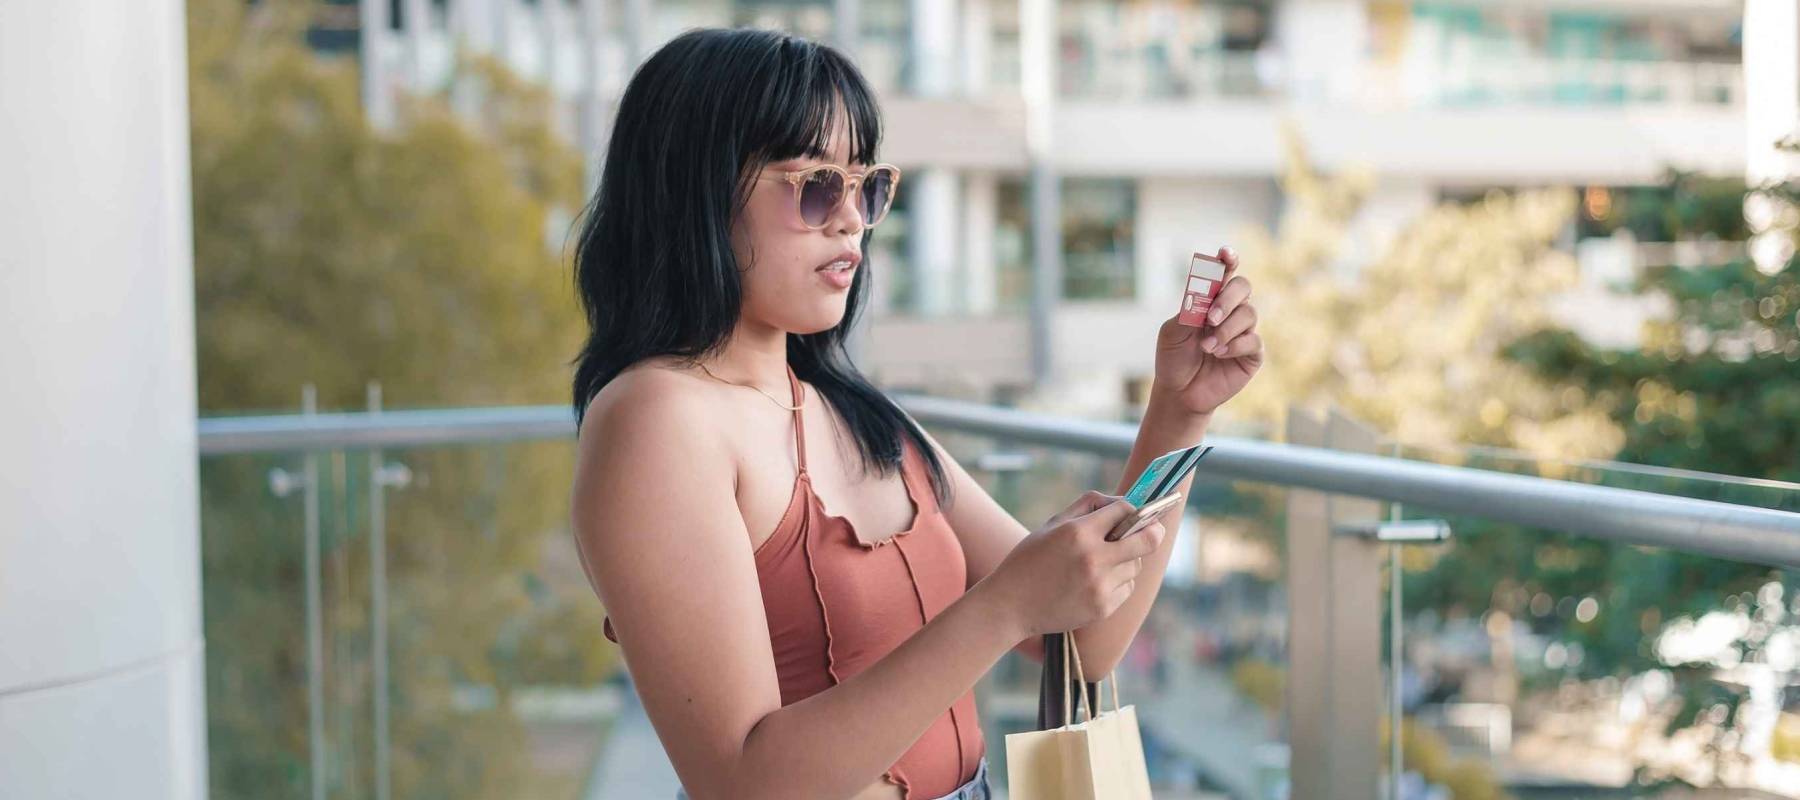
819,191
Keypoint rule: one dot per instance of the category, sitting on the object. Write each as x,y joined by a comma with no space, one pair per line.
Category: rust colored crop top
835,606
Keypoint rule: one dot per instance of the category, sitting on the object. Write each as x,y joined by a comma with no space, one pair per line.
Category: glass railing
402,623
413,621
1560,666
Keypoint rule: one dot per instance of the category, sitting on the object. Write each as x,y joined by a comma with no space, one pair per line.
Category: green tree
425,257
1715,388
1444,340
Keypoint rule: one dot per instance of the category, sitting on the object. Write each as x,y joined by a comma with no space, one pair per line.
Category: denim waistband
976,789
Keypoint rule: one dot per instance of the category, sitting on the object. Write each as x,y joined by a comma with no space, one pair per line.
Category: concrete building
1160,133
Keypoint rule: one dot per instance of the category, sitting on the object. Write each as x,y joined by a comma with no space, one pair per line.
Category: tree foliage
1444,340
426,258
1409,342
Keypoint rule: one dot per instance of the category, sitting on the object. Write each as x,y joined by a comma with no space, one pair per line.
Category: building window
890,251
1012,246
1097,235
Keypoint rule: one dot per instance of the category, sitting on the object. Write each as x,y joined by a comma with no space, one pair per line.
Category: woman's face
784,282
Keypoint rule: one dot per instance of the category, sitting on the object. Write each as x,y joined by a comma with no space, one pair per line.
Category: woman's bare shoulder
650,392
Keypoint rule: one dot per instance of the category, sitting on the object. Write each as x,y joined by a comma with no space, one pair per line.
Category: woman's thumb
1086,504
1111,510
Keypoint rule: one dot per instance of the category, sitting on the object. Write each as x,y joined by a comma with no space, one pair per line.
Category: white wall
101,660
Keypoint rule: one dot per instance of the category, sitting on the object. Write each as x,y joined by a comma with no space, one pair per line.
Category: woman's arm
1197,370
666,550
988,533
1162,429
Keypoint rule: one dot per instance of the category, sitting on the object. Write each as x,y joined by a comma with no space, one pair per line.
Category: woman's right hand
1065,575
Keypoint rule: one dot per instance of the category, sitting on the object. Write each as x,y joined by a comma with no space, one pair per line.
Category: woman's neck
755,356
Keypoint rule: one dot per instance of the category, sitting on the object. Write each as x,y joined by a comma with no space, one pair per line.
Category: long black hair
654,267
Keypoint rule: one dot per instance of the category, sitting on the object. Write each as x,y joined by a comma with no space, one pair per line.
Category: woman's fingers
1246,345
1236,291
1135,546
1239,322
1124,573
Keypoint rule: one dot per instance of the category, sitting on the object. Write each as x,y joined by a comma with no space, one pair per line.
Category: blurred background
288,323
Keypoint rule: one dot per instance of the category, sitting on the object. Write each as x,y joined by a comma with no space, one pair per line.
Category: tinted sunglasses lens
820,194
877,190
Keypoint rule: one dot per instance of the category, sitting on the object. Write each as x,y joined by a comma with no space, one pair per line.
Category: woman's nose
848,218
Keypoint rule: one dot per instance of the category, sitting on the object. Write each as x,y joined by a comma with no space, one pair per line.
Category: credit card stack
1165,473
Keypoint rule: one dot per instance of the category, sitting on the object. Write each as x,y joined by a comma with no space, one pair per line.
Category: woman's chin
821,325
824,316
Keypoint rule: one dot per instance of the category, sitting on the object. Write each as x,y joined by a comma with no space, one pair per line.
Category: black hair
654,268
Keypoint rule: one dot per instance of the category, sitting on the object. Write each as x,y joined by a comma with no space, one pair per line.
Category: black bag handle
1055,683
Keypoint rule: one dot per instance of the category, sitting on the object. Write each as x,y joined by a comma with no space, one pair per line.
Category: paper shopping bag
1099,758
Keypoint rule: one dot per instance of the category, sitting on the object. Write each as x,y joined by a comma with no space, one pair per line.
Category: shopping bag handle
1069,649
1050,715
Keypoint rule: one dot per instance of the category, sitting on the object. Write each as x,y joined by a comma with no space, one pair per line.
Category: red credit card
1206,275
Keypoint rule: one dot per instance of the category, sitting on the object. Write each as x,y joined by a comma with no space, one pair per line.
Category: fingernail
1208,344
1215,316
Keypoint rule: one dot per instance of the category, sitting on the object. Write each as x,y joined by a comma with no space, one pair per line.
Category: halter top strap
799,419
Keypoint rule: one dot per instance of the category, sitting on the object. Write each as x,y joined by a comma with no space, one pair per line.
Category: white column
101,660
977,45
476,23
592,126
846,26
372,34
1323,44
980,214
1037,88
502,20
1771,87
933,234
549,19
934,66
1771,110
931,189
638,32
456,23
417,18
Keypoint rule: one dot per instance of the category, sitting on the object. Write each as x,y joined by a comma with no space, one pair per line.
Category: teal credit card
1165,473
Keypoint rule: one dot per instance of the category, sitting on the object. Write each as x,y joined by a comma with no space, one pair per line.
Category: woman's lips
837,274
837,278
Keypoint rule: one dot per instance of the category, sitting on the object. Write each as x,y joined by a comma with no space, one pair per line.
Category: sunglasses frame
852,187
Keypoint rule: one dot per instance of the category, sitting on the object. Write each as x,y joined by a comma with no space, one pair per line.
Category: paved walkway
1201,716
632,764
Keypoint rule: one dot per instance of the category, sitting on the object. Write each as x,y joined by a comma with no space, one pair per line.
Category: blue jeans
975,789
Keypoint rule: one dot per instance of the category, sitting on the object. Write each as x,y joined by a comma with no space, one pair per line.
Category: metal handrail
411,428
1706,527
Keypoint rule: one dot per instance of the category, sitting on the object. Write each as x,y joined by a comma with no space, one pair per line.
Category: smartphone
1142,517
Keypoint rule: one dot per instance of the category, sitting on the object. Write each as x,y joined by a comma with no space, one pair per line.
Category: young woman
804,584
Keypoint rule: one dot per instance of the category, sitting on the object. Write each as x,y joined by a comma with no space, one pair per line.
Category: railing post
315,603
1334,629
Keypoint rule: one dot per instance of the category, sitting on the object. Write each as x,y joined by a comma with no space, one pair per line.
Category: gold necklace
772,398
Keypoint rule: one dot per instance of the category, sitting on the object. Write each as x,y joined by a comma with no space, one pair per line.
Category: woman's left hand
1198,369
